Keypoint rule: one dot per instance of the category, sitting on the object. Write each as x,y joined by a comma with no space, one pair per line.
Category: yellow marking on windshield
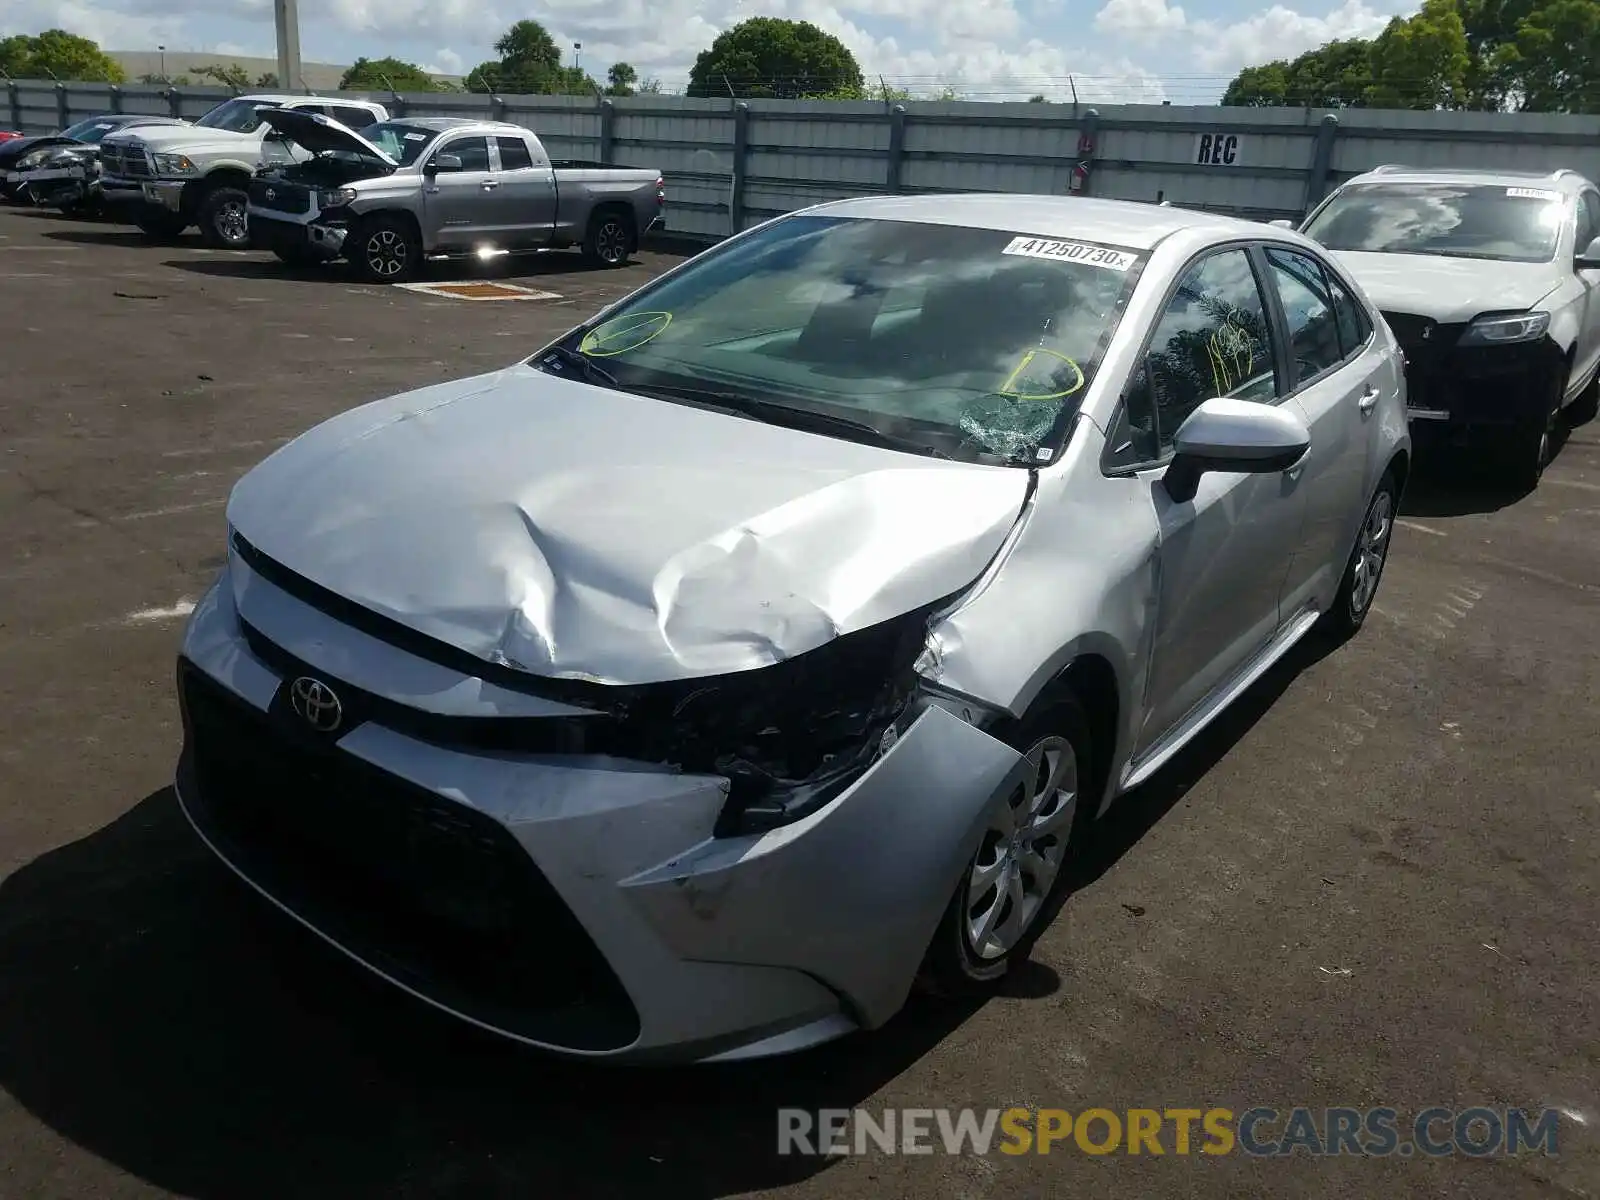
622,334
1006,388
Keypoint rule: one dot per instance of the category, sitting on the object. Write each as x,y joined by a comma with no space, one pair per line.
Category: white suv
1491,283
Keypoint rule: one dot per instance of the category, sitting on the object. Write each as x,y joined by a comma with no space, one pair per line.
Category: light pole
577,55
287,16
163,51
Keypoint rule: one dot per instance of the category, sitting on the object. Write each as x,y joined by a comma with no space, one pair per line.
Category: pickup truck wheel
609,240
224,220
384,250
160,224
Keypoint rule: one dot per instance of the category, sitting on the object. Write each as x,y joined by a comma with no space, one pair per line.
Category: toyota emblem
272,193
316,704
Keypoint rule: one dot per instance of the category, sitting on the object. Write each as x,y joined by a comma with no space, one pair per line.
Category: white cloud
1273,33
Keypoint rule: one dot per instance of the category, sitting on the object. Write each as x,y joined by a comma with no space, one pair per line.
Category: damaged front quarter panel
857,886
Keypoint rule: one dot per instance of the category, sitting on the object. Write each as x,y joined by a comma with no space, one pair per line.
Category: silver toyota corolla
767,643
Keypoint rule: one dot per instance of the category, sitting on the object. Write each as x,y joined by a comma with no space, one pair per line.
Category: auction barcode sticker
1532,193
1079,252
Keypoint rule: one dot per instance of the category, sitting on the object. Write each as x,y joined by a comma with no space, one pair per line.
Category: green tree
1555,60
267,79
173,80
529,64
374,74
620,79
1336,75
229,75
1422,61
59,54
650,87
774,57
1037,100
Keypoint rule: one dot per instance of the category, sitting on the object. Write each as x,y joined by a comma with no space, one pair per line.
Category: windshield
91,130
977,344
1515,224
401,142
235,116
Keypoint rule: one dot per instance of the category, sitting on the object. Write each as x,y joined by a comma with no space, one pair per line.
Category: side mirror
442,162
1238,436
1588,258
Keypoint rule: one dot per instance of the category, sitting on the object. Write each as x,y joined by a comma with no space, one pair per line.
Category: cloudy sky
1113,50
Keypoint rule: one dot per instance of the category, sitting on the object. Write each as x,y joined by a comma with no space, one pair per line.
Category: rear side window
1354,328
514,154
1314,343
352,118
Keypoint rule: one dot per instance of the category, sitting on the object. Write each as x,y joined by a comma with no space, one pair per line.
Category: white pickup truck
167,179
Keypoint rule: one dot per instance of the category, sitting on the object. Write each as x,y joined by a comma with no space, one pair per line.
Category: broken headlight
791,737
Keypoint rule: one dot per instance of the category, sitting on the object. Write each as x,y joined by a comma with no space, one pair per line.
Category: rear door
455,212
525,200
1335,383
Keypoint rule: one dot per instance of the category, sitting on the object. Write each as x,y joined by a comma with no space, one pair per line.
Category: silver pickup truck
166,180
404,190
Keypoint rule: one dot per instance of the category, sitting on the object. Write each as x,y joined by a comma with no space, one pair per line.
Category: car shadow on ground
157,1013
121,235
1450,482
510,269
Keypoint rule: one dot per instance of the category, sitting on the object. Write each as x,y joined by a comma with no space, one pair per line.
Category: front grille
436,895
280,197
125,161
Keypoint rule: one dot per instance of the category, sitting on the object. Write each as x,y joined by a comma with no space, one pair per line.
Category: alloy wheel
387,253
1022,851
1371,551
611,241
233,221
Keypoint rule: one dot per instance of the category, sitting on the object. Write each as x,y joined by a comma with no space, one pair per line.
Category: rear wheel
1364,570
384,250
1016,879
609,239
224,220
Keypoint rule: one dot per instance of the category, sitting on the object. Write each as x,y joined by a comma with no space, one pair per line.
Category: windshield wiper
787,414
592,371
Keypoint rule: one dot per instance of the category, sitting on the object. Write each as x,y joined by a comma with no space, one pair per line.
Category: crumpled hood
1450,290
576,531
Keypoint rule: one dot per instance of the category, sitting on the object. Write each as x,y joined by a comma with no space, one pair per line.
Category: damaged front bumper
271,229
580,903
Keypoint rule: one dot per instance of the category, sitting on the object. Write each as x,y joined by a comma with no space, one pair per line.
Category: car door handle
489,184
1369,399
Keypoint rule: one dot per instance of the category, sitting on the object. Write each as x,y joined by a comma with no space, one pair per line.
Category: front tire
1527,452
223,217
1016,880
384,250
1364,570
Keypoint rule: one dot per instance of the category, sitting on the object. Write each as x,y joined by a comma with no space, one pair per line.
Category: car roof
286,97
443,123
1563,180
1129,223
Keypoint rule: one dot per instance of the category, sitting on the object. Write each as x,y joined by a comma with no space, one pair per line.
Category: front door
1335,386
1222,556
453,205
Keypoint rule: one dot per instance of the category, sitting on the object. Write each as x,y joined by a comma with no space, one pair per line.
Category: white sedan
768,642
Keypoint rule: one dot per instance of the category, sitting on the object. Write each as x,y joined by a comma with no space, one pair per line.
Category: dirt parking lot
1374,884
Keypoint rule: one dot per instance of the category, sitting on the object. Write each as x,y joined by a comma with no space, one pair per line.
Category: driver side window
1213,340
1588,221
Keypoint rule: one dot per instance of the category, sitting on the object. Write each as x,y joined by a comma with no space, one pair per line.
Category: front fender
852,894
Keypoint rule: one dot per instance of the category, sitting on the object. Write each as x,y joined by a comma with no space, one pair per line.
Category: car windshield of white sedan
1514,224
977,344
